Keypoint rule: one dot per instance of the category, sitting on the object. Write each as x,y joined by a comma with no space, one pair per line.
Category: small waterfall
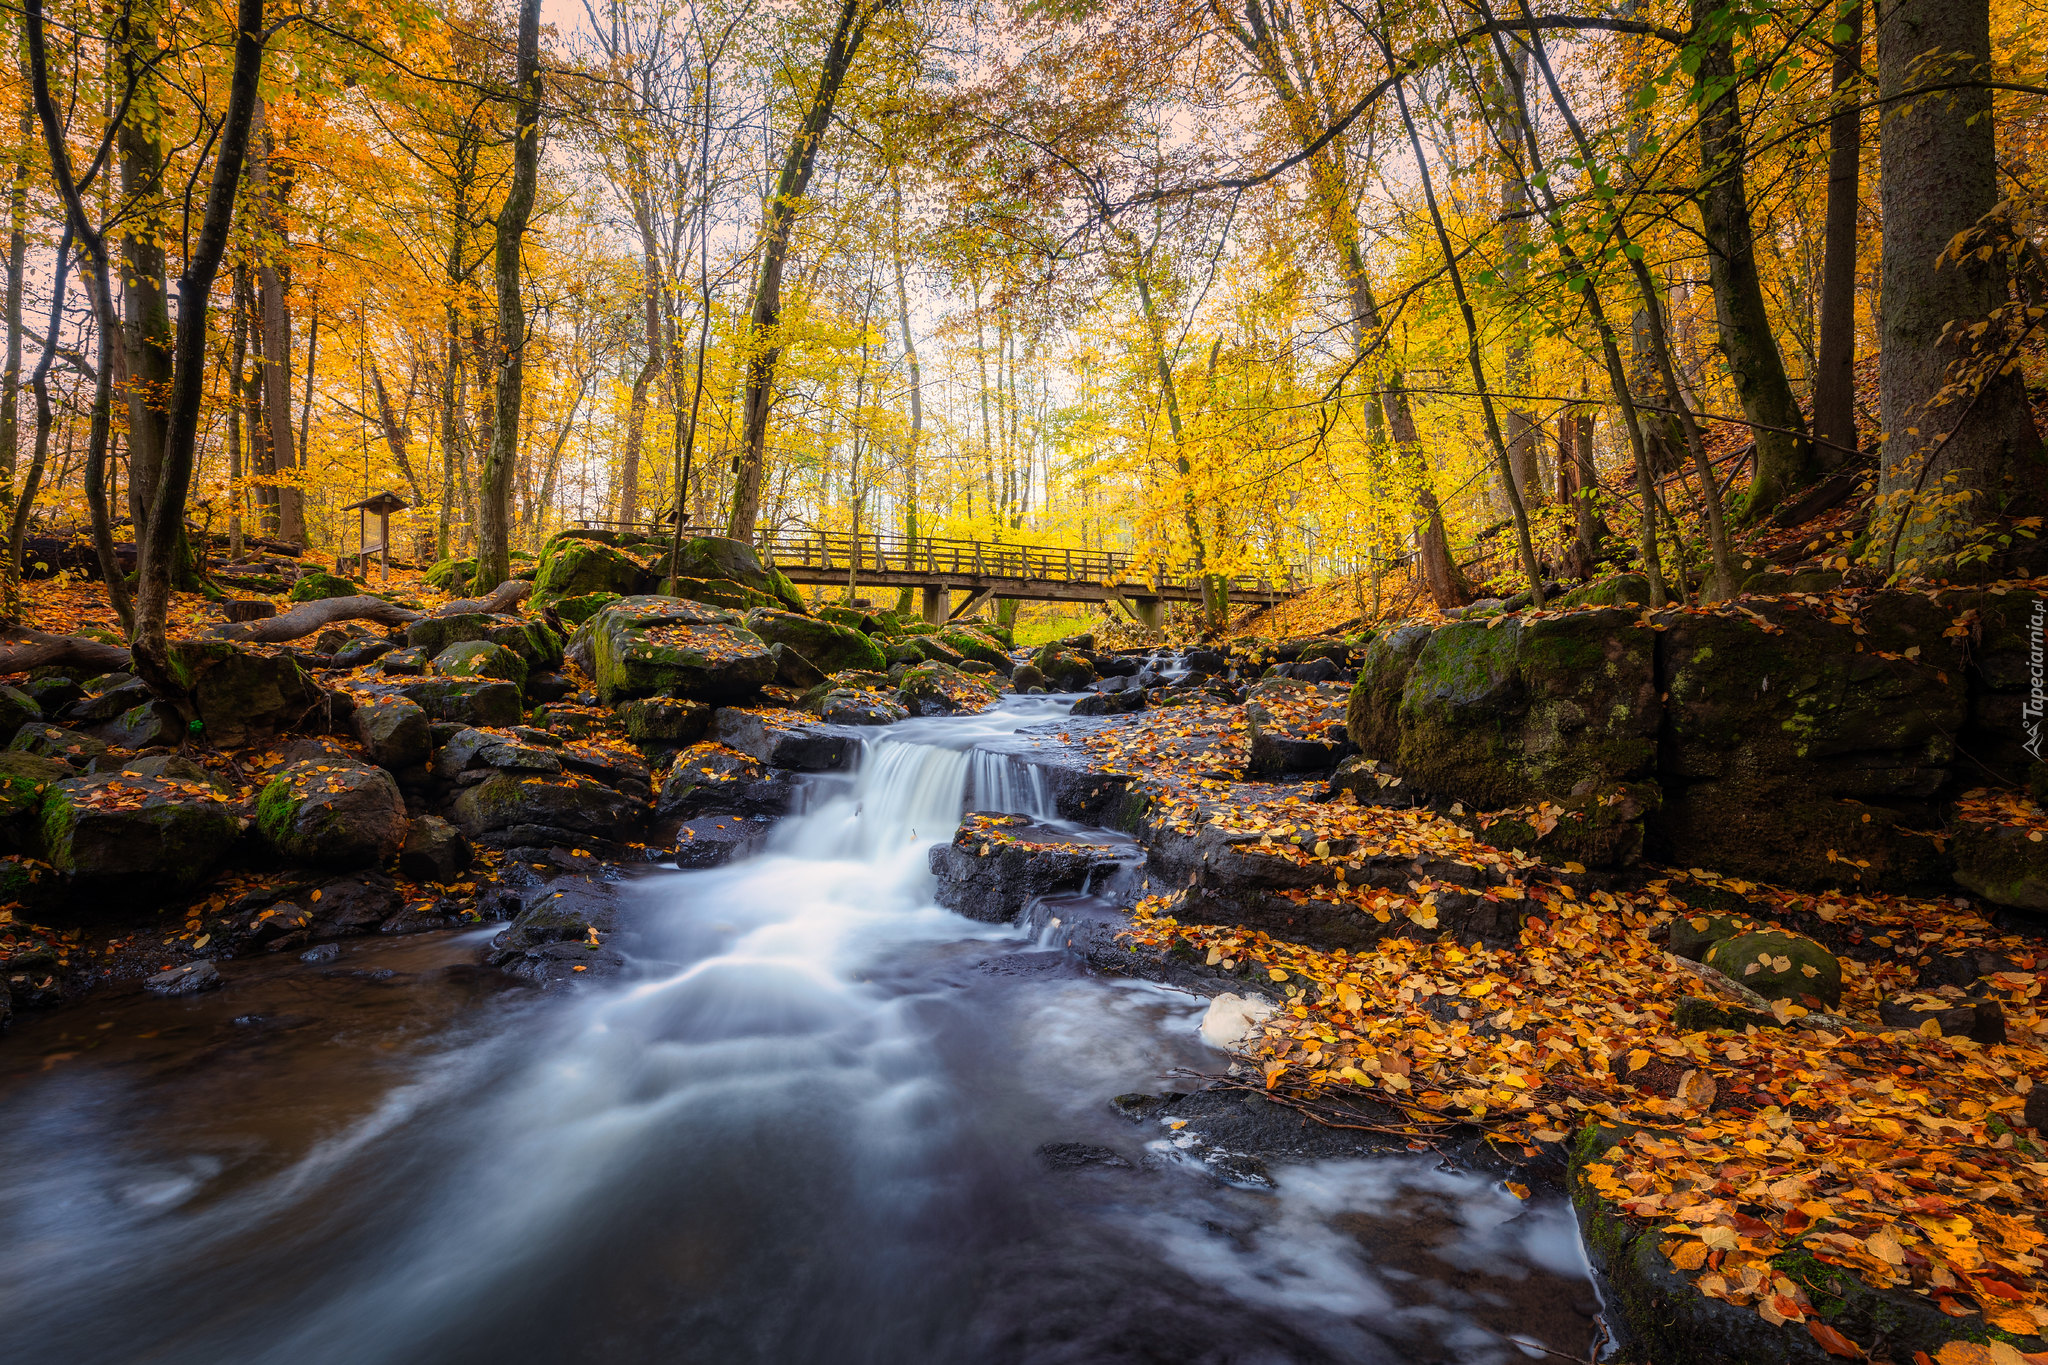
902,794
1003,782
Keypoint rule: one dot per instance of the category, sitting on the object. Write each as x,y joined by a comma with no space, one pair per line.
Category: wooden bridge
984,570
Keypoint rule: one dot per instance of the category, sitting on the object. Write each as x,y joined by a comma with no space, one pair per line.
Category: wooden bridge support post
933,604
1151,611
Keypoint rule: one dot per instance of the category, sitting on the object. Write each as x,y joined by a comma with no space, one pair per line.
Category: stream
808,1129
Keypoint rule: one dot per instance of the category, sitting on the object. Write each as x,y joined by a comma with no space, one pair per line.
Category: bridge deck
982,569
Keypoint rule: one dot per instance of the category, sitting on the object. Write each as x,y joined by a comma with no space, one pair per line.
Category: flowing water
807,1130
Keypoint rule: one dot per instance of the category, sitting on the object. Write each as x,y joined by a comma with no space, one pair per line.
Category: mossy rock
481,659
1598,827
1621,590
1696,1015
45,740
715,558
574,567
2002,864
317,586
1063,670
828,645
979,644
1372,717
934,689
335,815
243,697
576,610
146,836
1779,966
1693,935
1784,582
721,592
25,779
17,708
641,646
853,618
451,575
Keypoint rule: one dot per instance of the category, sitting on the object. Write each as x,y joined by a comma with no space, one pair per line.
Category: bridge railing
885,552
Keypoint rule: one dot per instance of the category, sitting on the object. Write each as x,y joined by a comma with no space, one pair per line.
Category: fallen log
308,617
504,597
22,649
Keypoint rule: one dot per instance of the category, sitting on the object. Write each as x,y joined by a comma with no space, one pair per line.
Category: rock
1593,827
715,840
466,701
829,647
350,816
194,978
647,645
17,708
546,687
1024,677
326,952
1621,590
404,663
1963,967
1372,716
856,706
1779,966
933,689
392,729
575,611
577,568
1370,782
1693,935
536,645
316,585
1695,1015
149,836
434,851
248,609
1981,1021
973,645
144,727
107,702
356,903
54,741
1232,1020
712,779
996,865
2037,1108
1119,703
169,765
2002,864
622,771
794,670
481,659
664,720
243,697
356,653
563,928
781,741
451,575
712,558
473,750
1500,714
52,694
1308,670
1796,754
563,805
1294,726
24,780
1063,670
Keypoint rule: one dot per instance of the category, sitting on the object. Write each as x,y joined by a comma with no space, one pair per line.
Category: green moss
317,586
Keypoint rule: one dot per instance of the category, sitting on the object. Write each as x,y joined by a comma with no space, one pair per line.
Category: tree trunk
17,266
494,520
1939,178
1834,375
778,217
266,198
236,366
394,434
23,500
910,449
1784,455
146,330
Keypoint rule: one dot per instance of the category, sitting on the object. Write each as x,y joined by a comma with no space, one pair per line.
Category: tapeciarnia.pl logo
2037,675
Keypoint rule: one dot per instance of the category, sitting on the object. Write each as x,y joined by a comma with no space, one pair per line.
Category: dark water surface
808,1131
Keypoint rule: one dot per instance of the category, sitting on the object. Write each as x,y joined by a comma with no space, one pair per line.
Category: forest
1069,682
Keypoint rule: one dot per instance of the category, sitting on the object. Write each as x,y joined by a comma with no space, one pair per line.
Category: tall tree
1834,377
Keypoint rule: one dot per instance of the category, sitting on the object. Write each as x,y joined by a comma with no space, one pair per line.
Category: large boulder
473,750
466,701
710,779
539,647
971,643
1779,966
1294,726
2004,864
25,779
481,659
577,568
996,865
1805,748
393,729
555,808
782,739
828,646
664,720
434,851
714,558
644,645
17,708
1373,718
937,690
318,585
146,836
44,740
1499,712
332,814
243,696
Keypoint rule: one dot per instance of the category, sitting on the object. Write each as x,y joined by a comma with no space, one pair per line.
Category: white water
804,1134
